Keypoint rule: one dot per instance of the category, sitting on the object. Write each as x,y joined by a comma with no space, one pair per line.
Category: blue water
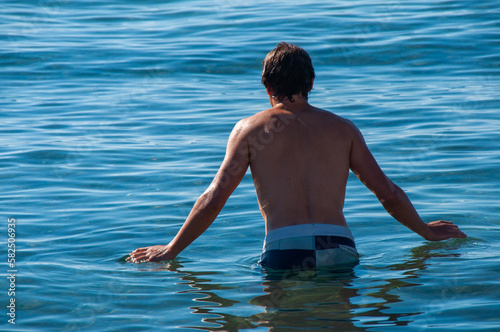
114,117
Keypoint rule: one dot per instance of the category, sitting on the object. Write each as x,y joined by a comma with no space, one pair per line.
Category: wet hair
288,70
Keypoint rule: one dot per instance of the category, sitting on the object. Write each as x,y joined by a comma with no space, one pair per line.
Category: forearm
204,212
400,207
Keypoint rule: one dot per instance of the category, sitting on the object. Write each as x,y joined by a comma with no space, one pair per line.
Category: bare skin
300,157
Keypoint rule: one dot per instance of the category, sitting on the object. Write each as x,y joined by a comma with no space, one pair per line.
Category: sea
114,118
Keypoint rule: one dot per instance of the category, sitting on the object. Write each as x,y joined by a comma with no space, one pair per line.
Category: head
287,71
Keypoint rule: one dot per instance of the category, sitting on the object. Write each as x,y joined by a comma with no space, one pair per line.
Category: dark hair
288,70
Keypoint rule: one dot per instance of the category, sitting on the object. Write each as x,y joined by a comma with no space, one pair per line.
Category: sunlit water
114,118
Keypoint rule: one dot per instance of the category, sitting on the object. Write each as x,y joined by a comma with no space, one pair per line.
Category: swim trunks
309,246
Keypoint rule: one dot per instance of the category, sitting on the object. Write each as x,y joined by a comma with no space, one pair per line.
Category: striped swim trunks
309,246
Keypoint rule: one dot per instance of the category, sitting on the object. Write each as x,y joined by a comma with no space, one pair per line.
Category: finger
138,253
138,250
456,232
139,257
444,222
131,259
150,253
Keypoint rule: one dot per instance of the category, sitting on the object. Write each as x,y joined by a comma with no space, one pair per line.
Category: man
300,158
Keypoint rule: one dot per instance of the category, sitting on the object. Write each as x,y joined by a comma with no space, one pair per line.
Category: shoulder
342,124
247,125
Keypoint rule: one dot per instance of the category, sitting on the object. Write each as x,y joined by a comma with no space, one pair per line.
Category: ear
269,91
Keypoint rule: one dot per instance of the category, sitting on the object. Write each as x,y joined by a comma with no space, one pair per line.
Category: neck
299,103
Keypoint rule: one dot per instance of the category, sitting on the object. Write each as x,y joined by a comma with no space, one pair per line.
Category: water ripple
115,117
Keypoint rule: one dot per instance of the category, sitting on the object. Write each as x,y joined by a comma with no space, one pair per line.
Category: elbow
210,202
391,197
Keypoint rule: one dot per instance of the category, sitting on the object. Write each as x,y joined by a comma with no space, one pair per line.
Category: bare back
300,165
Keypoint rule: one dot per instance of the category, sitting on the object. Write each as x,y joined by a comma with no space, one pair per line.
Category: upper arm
234,166
366,168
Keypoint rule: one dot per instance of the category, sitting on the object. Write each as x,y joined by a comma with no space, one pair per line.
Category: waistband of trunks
309,237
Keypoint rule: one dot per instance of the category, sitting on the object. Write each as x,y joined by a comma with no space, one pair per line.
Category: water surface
114,119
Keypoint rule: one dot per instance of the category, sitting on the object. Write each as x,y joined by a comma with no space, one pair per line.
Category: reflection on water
349,301
313,301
